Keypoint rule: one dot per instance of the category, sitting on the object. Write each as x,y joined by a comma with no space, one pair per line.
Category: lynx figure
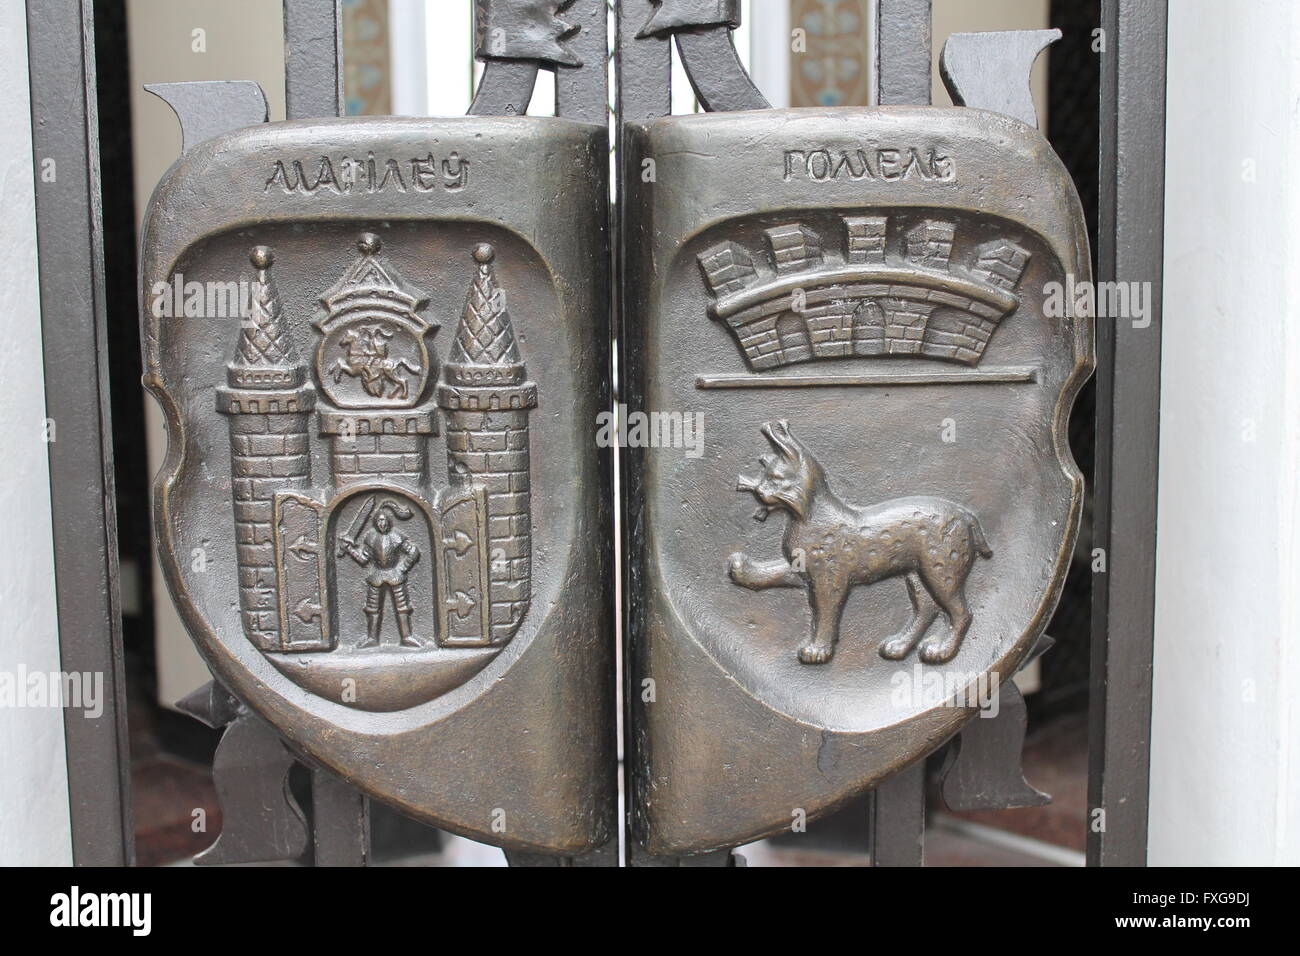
831,546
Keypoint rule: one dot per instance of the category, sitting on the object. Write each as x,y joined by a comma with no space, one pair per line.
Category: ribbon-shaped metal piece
683,14
702,29
524,30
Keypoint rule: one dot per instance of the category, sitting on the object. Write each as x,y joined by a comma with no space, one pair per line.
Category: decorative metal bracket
260,819
208,108
983,767
516,38
703,30
983,70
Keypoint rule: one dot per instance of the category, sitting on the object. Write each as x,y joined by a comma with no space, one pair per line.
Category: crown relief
797,302
372,350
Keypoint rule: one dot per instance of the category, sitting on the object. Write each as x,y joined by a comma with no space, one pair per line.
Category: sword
358,525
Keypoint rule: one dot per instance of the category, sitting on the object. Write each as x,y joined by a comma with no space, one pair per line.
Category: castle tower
486,398
374,367
268,401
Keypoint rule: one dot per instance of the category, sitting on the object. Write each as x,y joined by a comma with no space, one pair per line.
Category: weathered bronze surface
861,294
382,515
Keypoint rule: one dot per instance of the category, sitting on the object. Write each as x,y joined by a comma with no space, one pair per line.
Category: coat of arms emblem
324,559
855,300
382,516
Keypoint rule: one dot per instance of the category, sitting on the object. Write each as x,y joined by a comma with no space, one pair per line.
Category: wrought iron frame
1130,247
60,38
69,237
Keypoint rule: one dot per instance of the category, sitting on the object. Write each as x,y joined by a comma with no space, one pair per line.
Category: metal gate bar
896,823
1130,247
313,58
313,87
903,53
69,239
643,84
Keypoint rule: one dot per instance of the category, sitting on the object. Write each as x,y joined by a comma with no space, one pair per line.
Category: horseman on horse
367,359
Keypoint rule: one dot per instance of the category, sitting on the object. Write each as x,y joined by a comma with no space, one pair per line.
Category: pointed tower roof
265,354
485,335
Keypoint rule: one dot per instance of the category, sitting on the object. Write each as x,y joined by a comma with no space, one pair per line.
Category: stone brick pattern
861,306
389,447
268,405
795,248
492,446
1000,263
929,243
399,459
866,238
486,400
727,269
268,453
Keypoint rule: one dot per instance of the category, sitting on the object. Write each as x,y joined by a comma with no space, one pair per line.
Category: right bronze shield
868,322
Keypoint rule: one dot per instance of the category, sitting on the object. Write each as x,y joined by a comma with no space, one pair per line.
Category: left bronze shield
380,346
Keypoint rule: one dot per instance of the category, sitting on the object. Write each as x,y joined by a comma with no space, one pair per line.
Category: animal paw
896,649
816,653
740,569
938,651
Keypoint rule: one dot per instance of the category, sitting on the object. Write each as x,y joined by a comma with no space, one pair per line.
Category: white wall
34,824
1225,754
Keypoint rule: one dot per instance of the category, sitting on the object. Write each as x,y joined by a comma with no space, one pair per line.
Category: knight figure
389,556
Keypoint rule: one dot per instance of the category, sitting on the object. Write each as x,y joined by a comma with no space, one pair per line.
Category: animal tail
977,537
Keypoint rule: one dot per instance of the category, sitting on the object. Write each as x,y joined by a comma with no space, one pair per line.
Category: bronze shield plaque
382,515
858,304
